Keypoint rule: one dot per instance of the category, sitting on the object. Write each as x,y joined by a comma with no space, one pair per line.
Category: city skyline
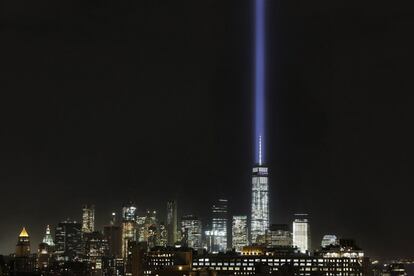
107,104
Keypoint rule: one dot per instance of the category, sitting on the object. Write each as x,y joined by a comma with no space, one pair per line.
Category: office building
191,230
172,222
113,235
68,240
129,232
219,225
88,219
240,233
328,240
301,233
279,235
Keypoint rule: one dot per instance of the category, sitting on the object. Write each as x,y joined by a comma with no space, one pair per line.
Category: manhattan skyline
114,104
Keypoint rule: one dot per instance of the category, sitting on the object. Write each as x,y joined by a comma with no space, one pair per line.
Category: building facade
301,232
68,240
219,225
88,219
191,230
260,203
240,233
172,222
279,235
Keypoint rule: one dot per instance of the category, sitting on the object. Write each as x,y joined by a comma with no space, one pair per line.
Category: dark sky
108,101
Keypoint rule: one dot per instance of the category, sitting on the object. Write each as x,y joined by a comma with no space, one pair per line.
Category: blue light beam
259,82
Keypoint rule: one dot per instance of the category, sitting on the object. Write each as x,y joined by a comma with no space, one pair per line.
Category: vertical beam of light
259,81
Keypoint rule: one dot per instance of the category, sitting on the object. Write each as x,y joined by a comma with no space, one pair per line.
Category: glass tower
219,225
260,203
301,232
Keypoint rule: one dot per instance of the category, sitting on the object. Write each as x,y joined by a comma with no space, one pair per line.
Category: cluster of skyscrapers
139,243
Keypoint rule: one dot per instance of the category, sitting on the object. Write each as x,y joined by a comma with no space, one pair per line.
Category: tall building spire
48,237
260,150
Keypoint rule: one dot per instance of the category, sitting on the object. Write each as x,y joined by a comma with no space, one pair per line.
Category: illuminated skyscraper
88,219
219,225
48,237
171,222
240,233
301,232
192,232
260,200
129,212
23,244
129,232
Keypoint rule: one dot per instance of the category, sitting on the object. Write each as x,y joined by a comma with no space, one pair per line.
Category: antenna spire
260,150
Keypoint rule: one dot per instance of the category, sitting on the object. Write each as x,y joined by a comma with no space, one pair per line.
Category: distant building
68,240
23,244
240,233
328,240
172,222
191,230
129,212
23,263
162,235
279,235
88,219
48,237
112,233
260,202
301,233
44,256
148,228
129,233
219,225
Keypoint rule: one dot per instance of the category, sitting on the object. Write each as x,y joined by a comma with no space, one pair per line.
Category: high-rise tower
219,225
172,222
23,244
88,219
301,233
48,237
260,201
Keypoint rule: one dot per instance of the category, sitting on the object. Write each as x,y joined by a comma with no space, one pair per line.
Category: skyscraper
88,219
219,225
68,240
129,211
240,233
260,200
301,232
279,235
171,222
48,237
23,244
192,232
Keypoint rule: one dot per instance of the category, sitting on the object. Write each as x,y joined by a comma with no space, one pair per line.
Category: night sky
108,101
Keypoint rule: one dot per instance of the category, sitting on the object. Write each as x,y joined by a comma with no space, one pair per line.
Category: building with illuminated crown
23,244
